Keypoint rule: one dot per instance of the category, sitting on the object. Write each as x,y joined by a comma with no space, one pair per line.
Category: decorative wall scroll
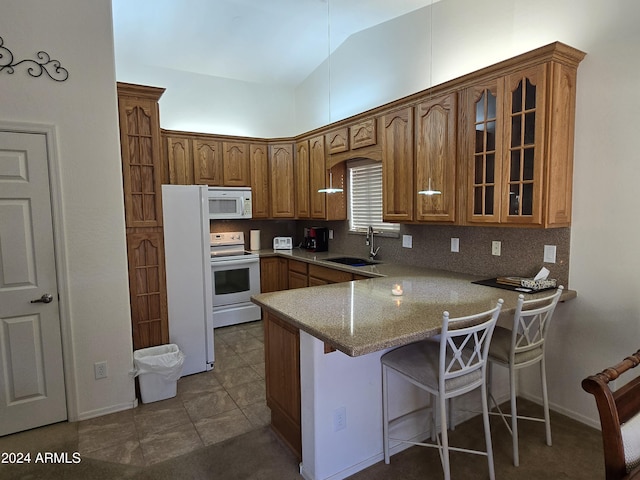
35,68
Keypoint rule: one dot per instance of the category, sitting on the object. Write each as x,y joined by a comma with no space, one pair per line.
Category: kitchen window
365,198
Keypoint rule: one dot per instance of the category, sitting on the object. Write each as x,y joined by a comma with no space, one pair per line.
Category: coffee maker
316,239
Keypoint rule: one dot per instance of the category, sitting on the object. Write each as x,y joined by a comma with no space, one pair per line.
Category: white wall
202,103
84,112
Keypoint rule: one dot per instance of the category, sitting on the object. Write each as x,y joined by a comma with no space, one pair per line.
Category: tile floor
210,407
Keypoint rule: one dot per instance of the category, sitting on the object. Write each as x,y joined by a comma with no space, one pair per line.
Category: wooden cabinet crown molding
140,91
555,51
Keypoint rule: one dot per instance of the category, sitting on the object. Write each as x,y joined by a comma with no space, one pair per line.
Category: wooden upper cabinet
235,164
282,181
179,160
558,171
259,165
337,141
523,146
337,202
397,165
318,177
363,134
436,121
519,147
141,154
483,122
207,162
302,179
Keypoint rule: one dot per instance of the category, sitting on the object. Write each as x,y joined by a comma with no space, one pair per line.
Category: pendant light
429,190
330,189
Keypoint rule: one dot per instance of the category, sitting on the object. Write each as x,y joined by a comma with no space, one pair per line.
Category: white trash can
158,369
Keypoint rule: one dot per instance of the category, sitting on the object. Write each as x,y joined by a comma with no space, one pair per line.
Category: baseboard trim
107,410
564,411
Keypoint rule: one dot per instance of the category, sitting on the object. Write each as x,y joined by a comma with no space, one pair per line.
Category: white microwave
229,202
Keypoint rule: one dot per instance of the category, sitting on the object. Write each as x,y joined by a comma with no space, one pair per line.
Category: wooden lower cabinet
282,344
298,274
321,275
273,274
282,372
147,288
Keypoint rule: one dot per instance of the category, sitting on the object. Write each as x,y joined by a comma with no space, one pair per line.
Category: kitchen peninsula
331,392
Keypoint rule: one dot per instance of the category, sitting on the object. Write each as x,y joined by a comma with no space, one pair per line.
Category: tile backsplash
522,249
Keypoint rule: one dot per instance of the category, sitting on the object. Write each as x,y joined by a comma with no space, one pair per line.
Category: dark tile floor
216,428
209,408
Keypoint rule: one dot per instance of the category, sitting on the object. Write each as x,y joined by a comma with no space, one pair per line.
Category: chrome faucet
372,251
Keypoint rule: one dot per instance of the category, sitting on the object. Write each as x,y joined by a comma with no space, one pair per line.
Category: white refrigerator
185,214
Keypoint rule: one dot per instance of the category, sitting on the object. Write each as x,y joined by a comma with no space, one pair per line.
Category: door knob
46,298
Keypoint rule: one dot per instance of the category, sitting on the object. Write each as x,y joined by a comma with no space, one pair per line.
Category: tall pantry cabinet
142,178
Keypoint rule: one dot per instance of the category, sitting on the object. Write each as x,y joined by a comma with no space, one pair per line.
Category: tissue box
538,284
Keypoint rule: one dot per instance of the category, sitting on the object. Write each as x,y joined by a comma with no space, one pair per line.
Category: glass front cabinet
519,147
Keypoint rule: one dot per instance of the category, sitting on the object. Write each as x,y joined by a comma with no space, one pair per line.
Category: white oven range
235,276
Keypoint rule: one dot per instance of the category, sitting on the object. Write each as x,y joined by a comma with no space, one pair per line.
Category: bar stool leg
545,401
487,431
444,438
514,415
385,415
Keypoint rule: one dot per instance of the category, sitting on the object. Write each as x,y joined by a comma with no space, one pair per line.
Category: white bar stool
451,367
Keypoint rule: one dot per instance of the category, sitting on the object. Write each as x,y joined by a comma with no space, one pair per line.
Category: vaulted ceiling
278,42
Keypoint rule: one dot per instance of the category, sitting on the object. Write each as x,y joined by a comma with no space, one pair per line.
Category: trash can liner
165,360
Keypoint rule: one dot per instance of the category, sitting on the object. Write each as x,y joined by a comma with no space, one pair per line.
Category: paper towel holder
254,241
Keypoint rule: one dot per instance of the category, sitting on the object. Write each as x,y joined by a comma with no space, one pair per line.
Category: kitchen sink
352,261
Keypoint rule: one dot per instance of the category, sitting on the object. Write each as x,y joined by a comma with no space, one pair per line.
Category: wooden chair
619,419
451,367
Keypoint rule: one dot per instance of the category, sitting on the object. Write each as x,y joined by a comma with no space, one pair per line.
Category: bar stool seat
452,366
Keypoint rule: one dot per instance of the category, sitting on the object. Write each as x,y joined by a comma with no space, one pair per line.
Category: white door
32,390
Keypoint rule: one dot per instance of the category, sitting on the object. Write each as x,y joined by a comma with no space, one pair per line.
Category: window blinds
365,202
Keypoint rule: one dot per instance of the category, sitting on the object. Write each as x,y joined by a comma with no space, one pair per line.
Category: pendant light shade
330,189
429,190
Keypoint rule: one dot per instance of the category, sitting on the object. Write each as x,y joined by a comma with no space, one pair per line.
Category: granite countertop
363,316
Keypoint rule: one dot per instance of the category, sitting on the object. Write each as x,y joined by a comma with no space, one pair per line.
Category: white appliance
282,243
236,277
229,203
186,242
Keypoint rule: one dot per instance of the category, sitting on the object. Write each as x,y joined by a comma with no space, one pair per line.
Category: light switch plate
455,244
407,241
496,248
549,254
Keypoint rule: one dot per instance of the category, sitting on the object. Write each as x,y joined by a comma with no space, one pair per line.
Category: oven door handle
234,262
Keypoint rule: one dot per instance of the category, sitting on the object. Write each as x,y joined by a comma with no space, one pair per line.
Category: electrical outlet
407,241
496,247
339,419
100,370
330,234
549,254
455,244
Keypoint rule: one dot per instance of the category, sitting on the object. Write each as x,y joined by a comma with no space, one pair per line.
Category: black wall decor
35,68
